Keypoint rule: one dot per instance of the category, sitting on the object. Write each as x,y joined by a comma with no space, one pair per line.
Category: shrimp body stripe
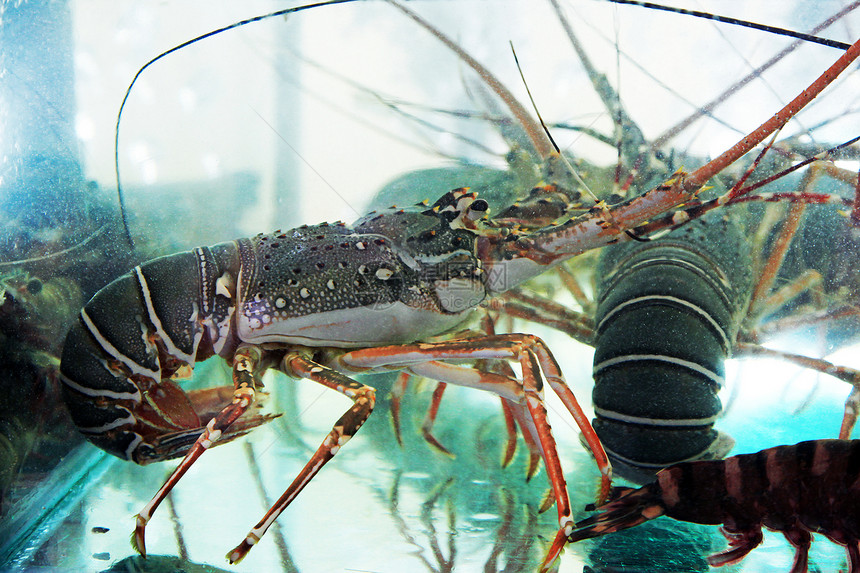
691,307
716,378
810,487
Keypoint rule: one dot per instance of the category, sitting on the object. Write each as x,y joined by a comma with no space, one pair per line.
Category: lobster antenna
283,12
564,160
599,202
817,157
738,22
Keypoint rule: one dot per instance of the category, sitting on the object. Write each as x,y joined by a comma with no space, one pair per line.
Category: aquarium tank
130,131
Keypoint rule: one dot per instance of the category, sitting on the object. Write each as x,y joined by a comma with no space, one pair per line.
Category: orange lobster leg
430,419
844,373
397,392
364,398
515,303
247,367
533,357
776,257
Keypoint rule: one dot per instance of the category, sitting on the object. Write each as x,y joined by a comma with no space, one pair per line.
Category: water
241,134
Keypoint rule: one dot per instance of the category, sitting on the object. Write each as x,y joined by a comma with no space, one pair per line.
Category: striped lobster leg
364,399
508,410
248,365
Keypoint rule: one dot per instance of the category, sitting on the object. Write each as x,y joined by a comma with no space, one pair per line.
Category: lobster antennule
629,507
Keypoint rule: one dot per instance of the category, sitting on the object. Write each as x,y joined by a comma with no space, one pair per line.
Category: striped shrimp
810,487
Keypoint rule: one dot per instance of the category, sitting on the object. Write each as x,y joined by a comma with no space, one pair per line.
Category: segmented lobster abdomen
668,313
133,336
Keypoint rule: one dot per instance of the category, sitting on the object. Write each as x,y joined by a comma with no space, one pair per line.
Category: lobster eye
479,205
34,286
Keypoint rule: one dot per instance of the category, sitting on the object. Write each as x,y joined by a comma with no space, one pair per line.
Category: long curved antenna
737,22
706,109
599,203
170,51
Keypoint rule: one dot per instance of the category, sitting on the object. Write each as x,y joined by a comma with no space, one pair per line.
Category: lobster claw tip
138,541
238,553
552,561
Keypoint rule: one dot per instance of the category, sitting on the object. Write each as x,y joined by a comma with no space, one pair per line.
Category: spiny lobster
296,301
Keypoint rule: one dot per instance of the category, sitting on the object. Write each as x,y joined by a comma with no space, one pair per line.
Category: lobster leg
775,258
488,325
533,418
801,540
518,304
741,543
806,281
246,369
853,556
397,392
502,368
844,373
511,417
571,283
849,418
364,398
430,419
511,428
533,356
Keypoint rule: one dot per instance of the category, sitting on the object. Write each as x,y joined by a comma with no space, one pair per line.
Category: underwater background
322,116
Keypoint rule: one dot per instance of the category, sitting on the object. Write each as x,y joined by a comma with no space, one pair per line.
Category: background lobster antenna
737,22
283,12
571,169
546,130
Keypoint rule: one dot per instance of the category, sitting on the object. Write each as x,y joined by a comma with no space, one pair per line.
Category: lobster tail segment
629,507
668,314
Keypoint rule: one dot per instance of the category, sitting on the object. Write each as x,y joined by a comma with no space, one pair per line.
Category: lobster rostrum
330,300
810,487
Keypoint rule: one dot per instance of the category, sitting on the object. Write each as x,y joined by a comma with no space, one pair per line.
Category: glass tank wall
328,113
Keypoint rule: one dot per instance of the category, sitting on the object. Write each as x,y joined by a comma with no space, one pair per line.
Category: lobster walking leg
534,357
502,368
364,398
801,540
397,392
514,416
741,542
430,419
247,367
